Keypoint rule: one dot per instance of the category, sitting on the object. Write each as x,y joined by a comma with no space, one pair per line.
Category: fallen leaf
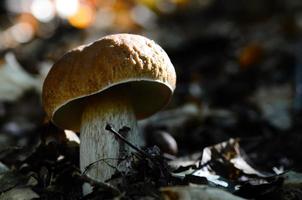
19,194
196,193
9,180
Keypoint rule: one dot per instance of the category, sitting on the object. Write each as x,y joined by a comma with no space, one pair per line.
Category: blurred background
239,68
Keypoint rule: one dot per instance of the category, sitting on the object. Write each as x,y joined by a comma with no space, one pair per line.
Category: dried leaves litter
239,76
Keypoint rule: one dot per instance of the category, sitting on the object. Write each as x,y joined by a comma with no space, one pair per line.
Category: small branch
109,128
93,163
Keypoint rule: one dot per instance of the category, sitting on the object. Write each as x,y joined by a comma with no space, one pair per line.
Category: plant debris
232,128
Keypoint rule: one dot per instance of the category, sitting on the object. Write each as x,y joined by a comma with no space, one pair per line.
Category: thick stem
100,144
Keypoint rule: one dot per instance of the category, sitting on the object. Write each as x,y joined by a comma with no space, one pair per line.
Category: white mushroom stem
100,144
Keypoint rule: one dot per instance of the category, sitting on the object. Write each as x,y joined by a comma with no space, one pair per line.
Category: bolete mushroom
117,79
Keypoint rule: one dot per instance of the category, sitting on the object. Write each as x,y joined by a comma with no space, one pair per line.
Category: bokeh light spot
83,18
43,10
66,8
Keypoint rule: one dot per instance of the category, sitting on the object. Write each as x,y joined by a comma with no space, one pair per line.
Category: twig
93,163
109,128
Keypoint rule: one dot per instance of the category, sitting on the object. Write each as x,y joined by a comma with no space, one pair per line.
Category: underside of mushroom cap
129,62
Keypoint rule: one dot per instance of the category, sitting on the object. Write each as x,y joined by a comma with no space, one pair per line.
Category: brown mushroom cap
128,61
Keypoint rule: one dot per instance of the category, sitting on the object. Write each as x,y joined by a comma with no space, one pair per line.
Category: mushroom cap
122,61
